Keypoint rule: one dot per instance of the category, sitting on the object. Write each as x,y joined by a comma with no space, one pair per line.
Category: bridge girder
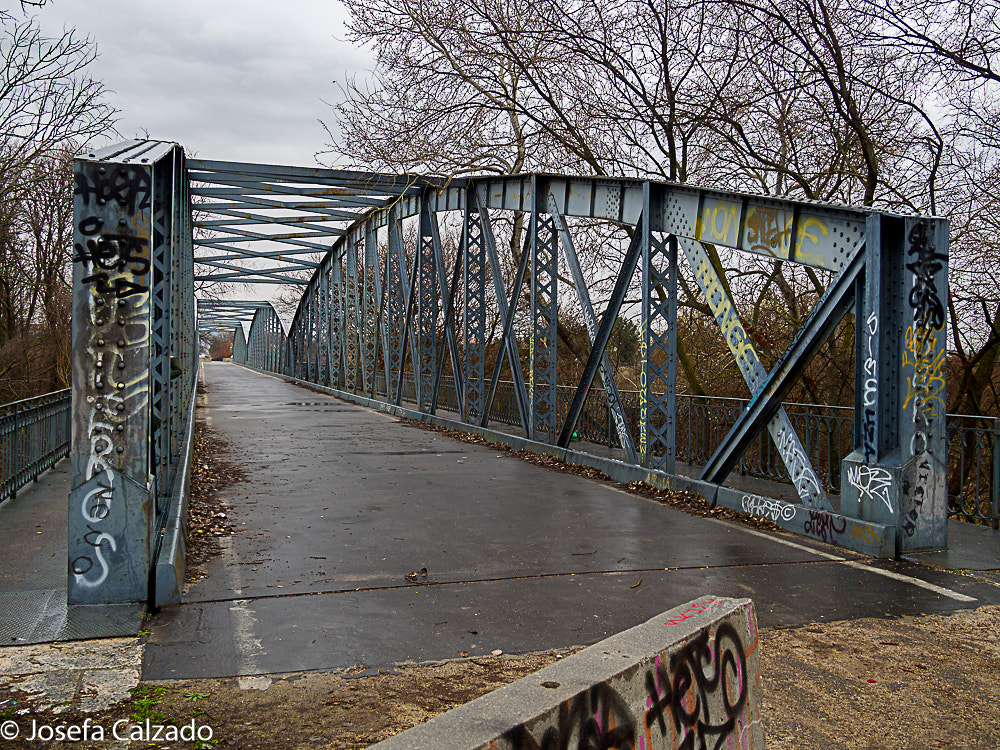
379,321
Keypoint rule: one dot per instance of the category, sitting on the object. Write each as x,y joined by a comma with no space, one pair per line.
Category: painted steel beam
803,232
603,333
615,408
786,440
766,400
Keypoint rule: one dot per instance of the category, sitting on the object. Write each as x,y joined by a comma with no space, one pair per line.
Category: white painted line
789,543
868,568
248,646
910,579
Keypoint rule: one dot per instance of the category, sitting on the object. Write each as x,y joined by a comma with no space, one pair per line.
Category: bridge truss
376,321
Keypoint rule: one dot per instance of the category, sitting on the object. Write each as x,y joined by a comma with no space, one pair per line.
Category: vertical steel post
427,308
897,474
658,347
544,299
474,310
396,304
351,315
369,318
110,518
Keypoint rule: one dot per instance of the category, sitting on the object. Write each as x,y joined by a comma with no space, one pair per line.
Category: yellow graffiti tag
643,414
765,233
925,390
719,222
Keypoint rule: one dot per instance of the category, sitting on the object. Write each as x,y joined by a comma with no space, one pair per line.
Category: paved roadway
341,503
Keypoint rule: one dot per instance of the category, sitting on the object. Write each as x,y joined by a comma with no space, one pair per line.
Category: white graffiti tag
768,508
872,482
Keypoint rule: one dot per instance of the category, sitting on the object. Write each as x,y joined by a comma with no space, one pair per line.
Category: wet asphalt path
342,503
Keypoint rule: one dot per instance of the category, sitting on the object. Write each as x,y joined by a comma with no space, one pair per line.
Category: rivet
99,364
119,449
99,448
100,301
121,365
120,407
121,427
99,384
121,321
121,342
101,201
100,342
121,303
100,170
122,223
121,386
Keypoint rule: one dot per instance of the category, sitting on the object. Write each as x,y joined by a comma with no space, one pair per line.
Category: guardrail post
897,474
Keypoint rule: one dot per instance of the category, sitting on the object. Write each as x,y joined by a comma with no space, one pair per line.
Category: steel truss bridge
375,322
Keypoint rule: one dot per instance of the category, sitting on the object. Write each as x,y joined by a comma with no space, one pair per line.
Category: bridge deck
341,503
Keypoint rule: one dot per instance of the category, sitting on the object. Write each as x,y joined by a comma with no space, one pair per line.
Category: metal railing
827,434
34,434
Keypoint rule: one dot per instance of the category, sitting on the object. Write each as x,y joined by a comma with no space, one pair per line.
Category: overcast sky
237,80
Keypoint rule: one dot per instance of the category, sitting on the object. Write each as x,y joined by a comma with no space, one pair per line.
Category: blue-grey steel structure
375,320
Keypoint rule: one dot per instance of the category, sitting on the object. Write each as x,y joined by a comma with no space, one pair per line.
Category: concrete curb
171,561
868,538
689,677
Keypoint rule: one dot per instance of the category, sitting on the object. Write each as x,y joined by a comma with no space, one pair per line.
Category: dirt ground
917,682
920,682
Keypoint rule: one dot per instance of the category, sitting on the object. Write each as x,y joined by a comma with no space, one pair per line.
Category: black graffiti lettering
129,187
121,287
125,288
119,252
823,526
93,536
705,671
869,435
597,719
100,507
81,565
91,225
927,306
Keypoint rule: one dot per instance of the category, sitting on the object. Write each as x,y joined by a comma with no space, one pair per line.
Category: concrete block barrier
688,678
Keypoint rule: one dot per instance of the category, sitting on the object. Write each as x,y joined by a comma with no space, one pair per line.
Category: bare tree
47,103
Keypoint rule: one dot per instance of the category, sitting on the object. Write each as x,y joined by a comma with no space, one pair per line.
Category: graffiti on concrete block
872,482
766,507
824,526
683,701
596,718
862,532
95,508
696,697
922,486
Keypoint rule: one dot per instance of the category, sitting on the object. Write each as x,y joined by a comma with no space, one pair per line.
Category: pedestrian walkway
364,540
33,606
